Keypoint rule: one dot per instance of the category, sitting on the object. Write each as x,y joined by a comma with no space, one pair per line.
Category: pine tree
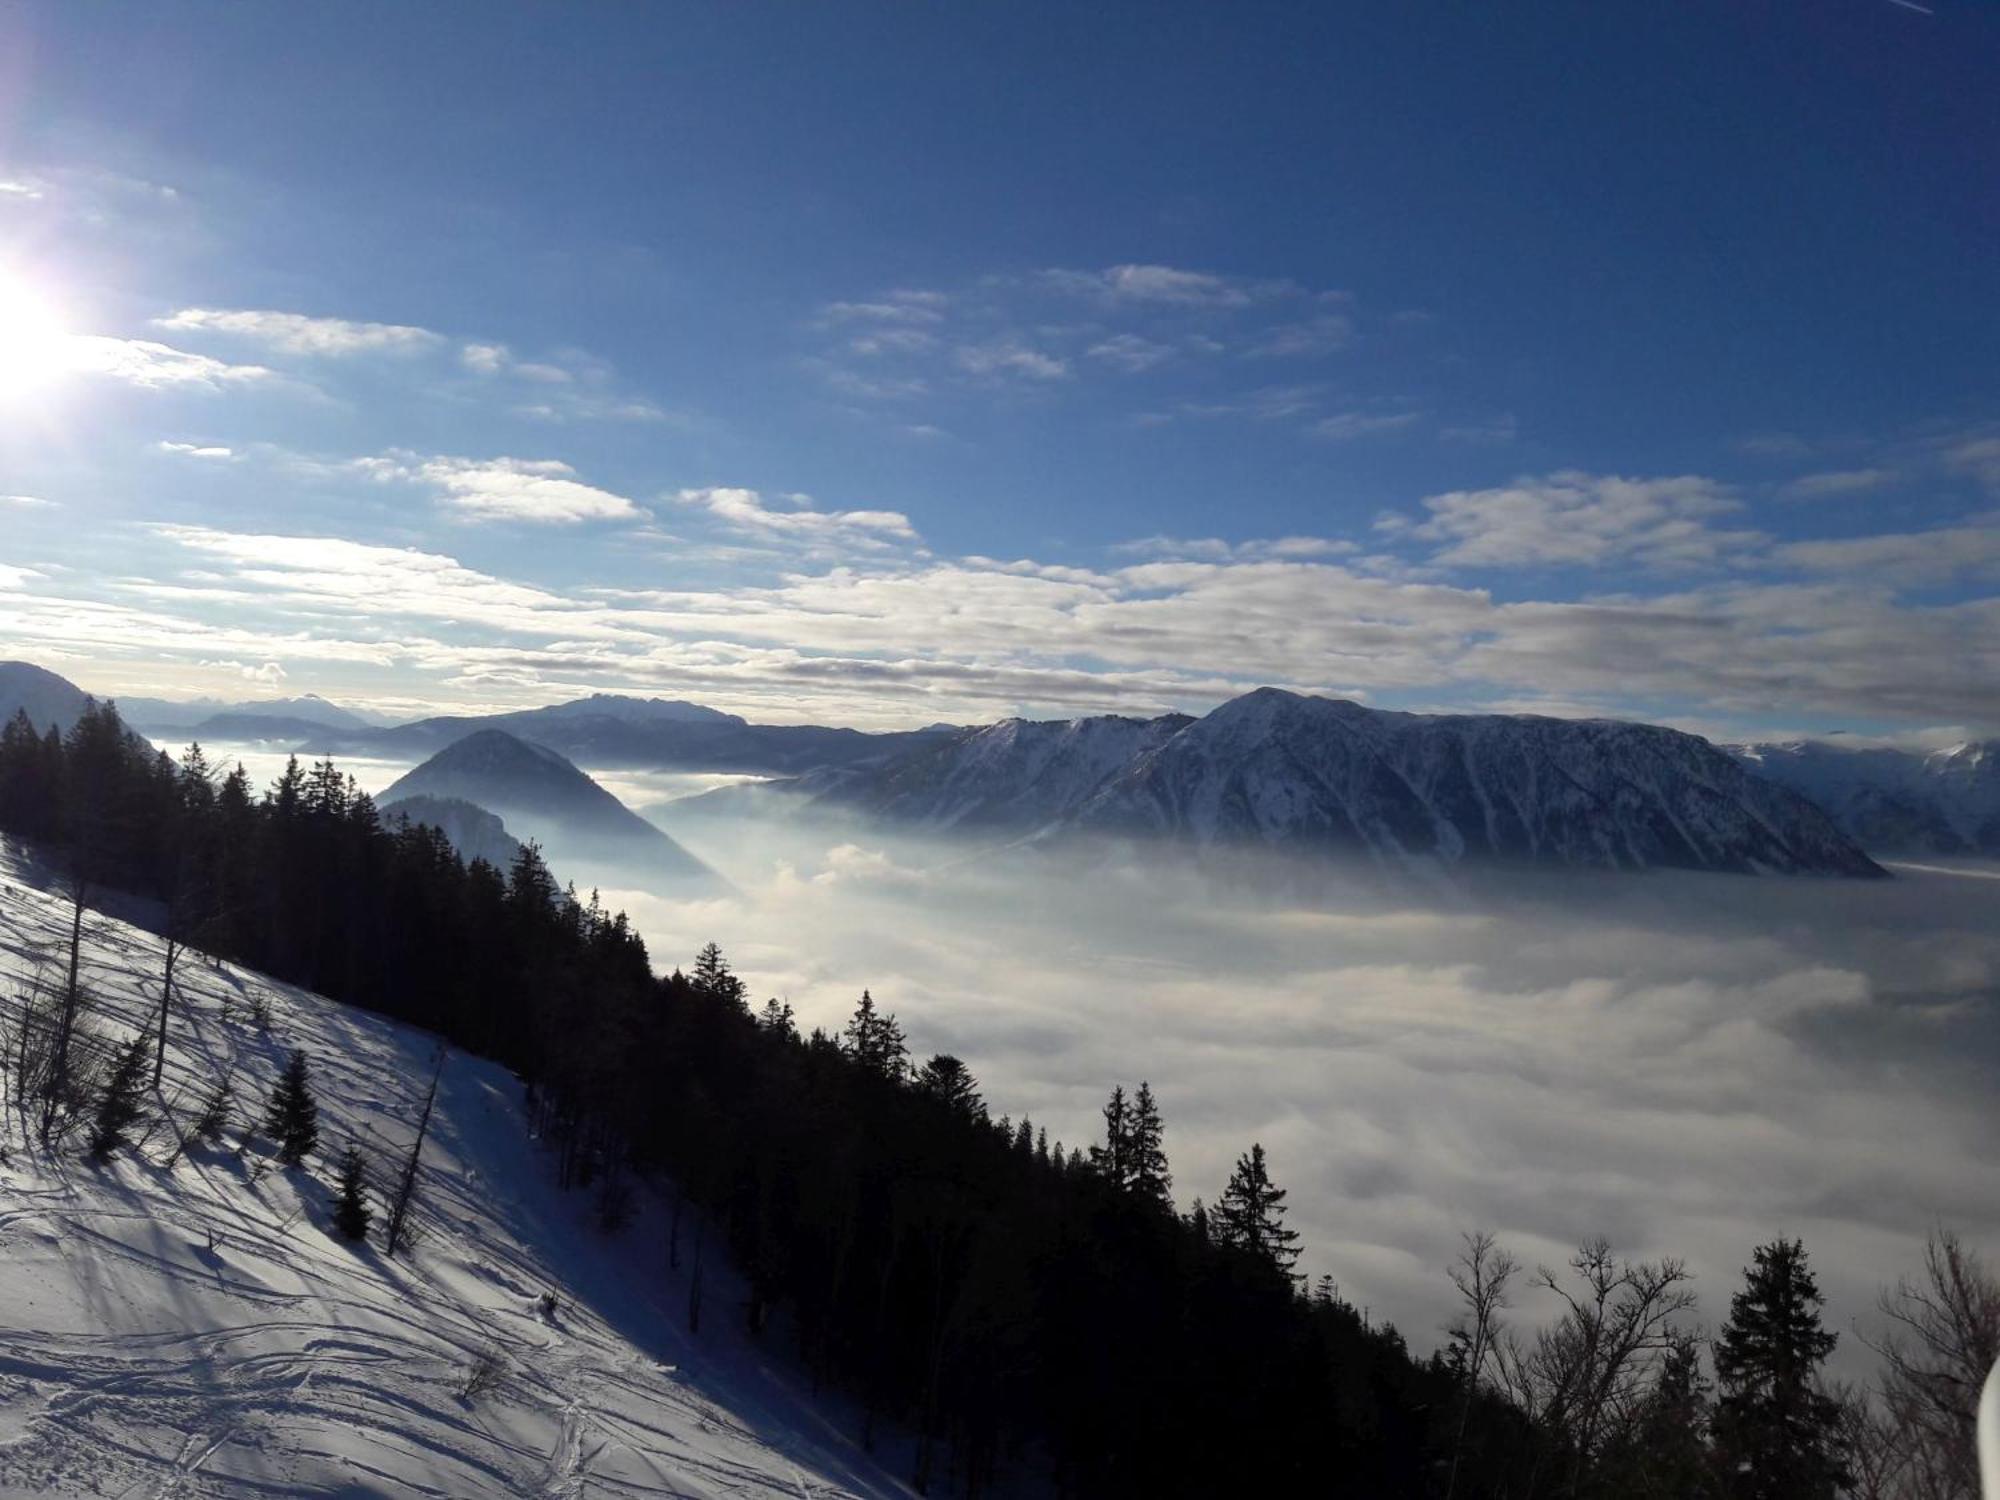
118,1107
777,1019
713,978
1250,1214
946,1079
351,1213
1147,1176
213,1117
1113,1160
1778,1433
875,1040
292,1117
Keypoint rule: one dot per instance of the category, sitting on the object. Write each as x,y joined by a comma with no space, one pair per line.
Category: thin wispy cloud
541,492
298,334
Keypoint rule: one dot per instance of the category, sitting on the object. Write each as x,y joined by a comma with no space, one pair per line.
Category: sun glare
33,342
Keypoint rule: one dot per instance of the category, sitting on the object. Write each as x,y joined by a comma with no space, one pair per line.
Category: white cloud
153,366
745,510
1007,357
27,502
1130,352
1837,482
1576,519
484,359
895,307
1344,426
1167,285
295,333
1326,334
197,450
1910,559
537,491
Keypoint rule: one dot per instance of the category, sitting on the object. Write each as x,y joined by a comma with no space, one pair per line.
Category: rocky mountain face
1318,775
542,796
1895,801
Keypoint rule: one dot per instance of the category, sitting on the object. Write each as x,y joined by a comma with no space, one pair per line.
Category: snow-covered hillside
1895,801
1325,776
200,1331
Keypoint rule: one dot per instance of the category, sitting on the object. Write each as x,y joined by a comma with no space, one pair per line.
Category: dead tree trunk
406,1186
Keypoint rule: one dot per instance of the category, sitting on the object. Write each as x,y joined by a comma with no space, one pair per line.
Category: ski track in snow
200,1332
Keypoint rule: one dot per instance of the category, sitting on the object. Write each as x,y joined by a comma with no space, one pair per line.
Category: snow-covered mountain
195,1327
1894,801
1324,776
1012,775
542,796
474,832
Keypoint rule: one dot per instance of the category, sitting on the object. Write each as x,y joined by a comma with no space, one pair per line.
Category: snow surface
141,1357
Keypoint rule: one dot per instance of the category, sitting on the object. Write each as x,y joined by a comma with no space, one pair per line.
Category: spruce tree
712,976
946,1079
1147,1176
118,1107
1113,1160
875,1040
1251,1211
292,1117
1777,1432
351,1213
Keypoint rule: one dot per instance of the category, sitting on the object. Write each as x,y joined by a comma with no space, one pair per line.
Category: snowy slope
139,1356
1321,775
1895,801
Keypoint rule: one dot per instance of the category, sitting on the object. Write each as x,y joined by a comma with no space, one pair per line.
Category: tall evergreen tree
1250,1214
292,1117
1777,1431
874,1040
1147,1176
713,977
351,1213
118,1107
1113,1160
947,1079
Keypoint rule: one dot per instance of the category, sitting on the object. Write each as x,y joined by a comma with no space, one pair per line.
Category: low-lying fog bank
1687,1064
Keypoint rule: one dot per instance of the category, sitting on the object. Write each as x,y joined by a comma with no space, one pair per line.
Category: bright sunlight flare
34,346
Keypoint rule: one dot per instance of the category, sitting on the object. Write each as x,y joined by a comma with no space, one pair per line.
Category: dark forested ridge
1003,1306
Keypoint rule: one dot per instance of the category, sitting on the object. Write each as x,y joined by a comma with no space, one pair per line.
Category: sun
34,345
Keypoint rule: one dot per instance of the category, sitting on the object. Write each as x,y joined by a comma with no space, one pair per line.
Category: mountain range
473,831
1895,801
1319,775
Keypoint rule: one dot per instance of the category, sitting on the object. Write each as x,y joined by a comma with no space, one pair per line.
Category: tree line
1000,1303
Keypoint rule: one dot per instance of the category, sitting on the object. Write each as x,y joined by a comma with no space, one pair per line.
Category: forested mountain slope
192,1324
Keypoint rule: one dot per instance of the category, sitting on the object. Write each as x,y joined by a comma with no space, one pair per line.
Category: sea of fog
1685,1064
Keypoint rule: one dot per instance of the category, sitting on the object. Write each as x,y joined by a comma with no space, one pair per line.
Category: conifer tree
1778,1432
292,1117
351,1213
1250,1214
948,1080
1147,1176
118,1107
1113,1160
213,1117
712,976
875,1040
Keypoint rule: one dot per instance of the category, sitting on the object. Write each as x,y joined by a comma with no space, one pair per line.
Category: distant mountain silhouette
607,730
49,699
542,796
474,832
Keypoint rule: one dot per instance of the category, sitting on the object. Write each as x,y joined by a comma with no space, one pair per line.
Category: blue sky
883,364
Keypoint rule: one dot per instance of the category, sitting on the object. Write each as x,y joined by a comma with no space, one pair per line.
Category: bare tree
1943,1335
397,1232
1585,1376
59,1084
1481,1273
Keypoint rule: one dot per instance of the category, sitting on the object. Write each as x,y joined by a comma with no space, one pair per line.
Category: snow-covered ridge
1323,775
200,1331
1895,801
